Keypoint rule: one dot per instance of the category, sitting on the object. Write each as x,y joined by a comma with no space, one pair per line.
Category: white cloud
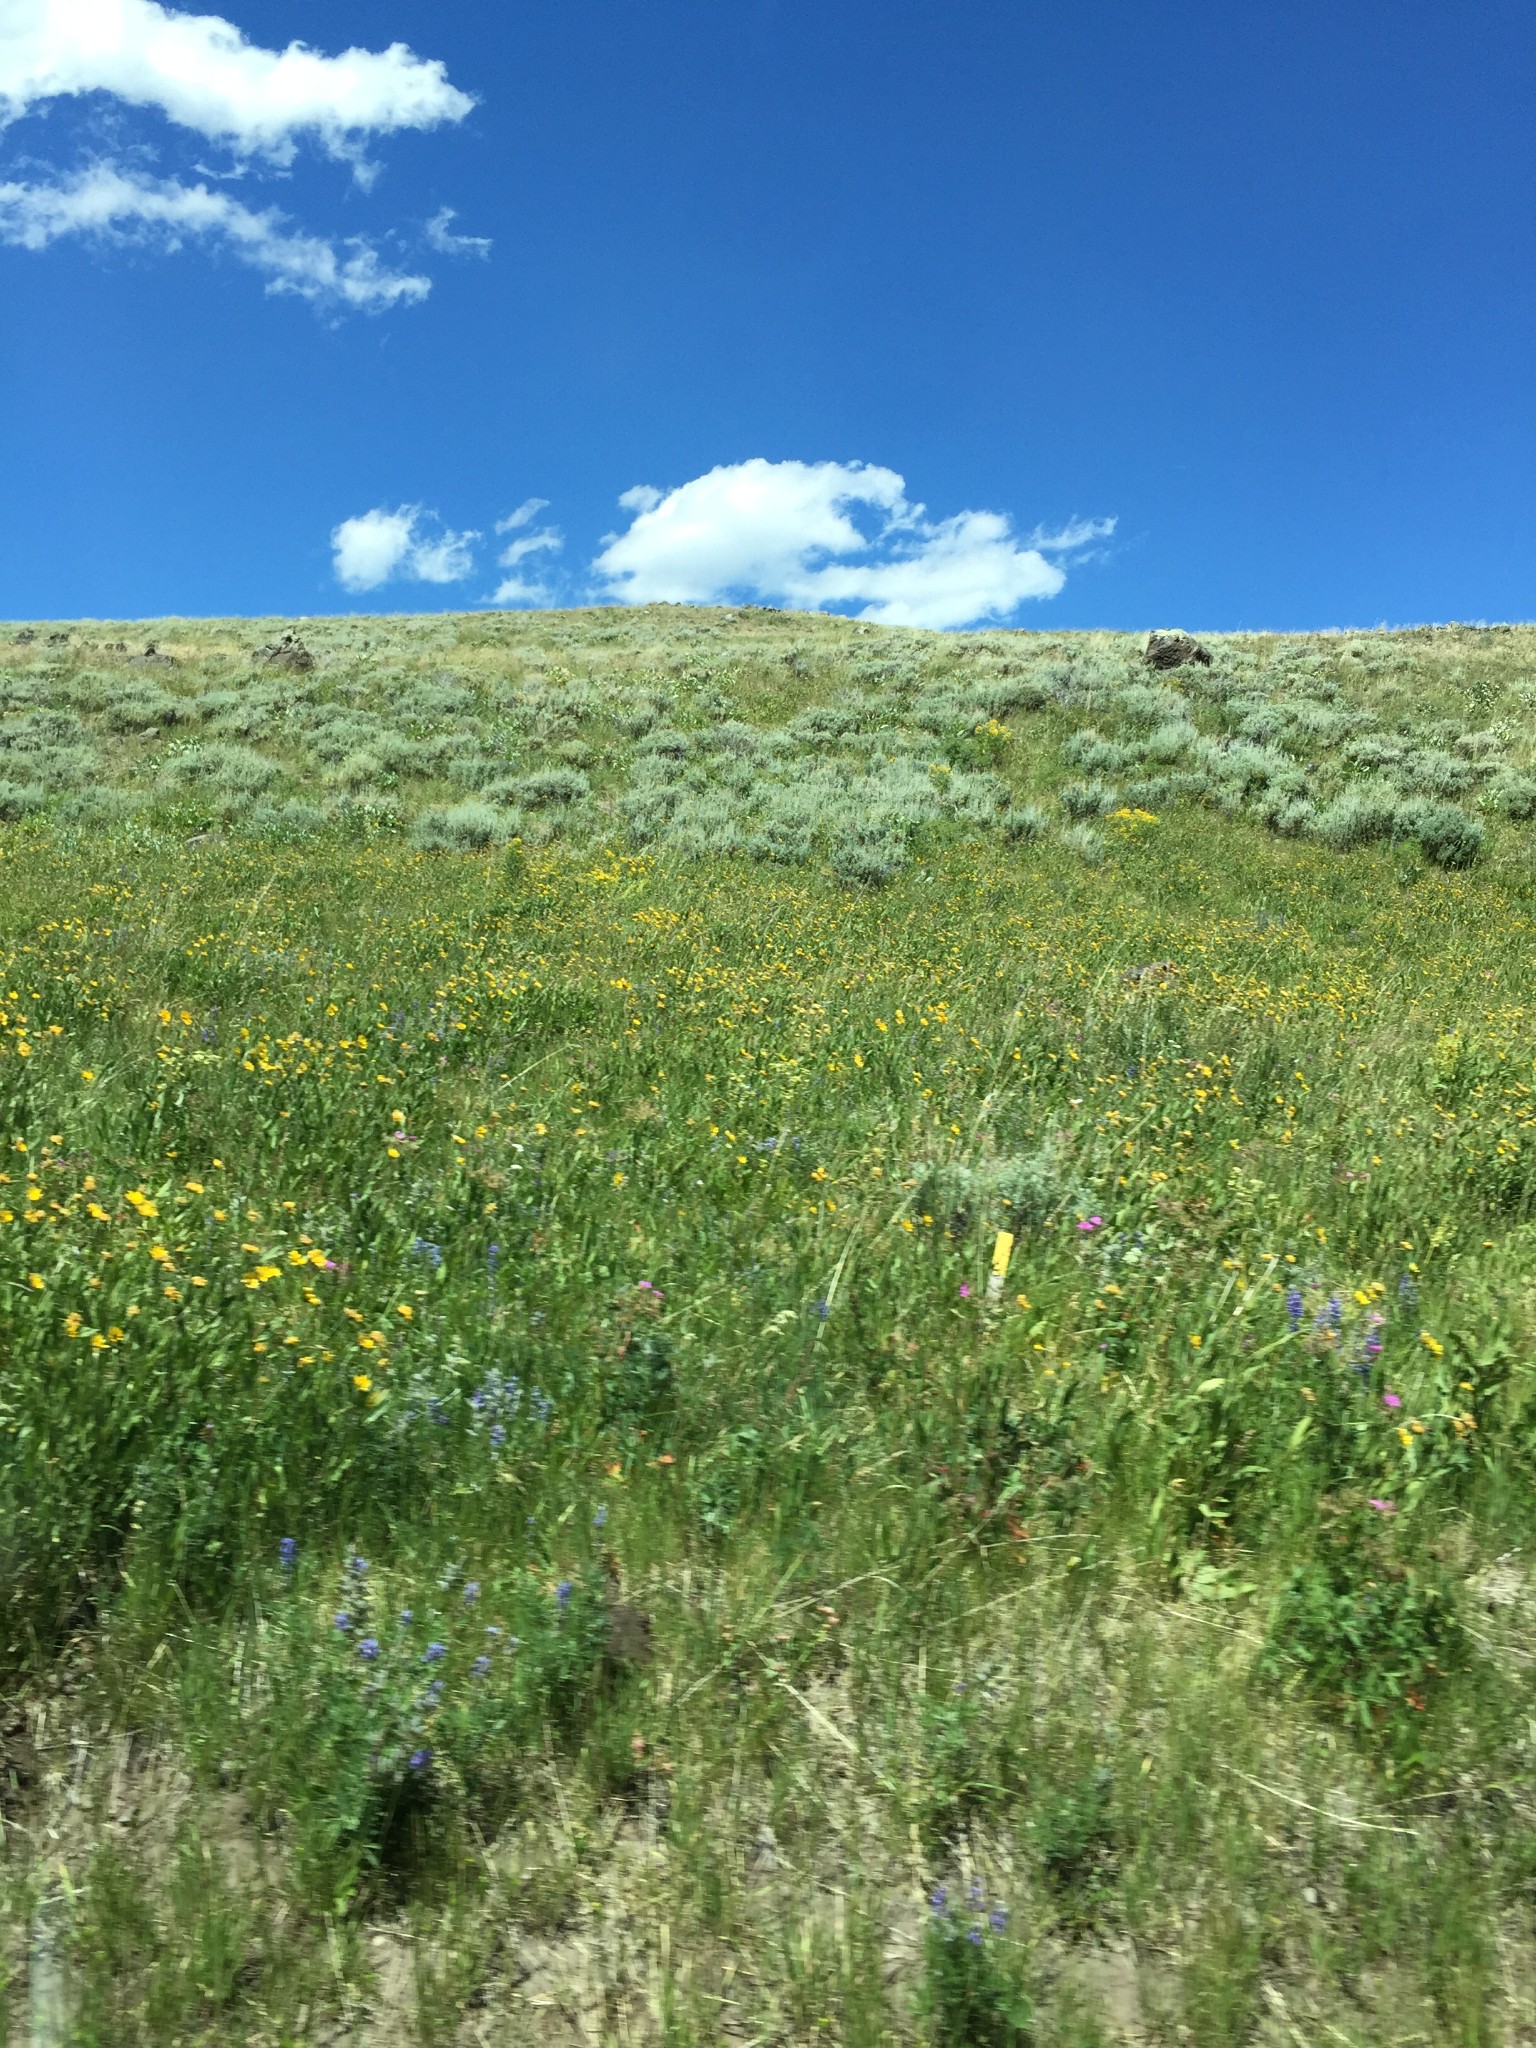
200,72
440,236
784,531
526,511
520,550
382,547
518,589
117,205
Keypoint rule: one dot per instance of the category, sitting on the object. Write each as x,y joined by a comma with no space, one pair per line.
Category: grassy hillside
529,1510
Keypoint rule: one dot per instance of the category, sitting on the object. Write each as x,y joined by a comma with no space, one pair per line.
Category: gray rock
287,653
1172,649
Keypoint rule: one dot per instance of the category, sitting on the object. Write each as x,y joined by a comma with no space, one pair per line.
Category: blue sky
1115,315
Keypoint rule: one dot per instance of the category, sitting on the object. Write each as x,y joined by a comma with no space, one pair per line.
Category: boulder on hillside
1172,649
287,653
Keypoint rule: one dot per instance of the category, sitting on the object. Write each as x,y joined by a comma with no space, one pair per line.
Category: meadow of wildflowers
730,1327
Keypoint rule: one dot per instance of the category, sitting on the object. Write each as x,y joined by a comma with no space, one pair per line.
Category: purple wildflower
471,1592
481,1667
997,1919
287,1552
368,1649
563,1594
420,1758
434,1653
343,1622
938,1898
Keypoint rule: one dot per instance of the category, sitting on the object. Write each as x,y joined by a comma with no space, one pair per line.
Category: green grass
575,1243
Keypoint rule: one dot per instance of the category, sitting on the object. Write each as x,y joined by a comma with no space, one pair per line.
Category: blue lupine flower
997,1919
975,1894
477,1399
938,1898
420,1758
407,1616
471,1592
287,1552
1293,1307
973,1935
368,1649
599,1520
563,1594
433,1693
343,1622
434,1653
481,1667
498,1435
358,1567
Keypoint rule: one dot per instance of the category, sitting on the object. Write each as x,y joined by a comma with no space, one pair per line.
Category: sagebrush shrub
1448,835
1082,800
1512,794
459,828
549,786
21,800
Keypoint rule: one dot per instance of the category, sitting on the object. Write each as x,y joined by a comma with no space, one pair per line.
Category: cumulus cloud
785,532
385,547
112,204
201,72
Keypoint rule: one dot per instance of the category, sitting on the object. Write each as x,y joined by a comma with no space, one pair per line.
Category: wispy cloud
518,589
112,204
785,531
530,508
203,76
381,547
440,236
